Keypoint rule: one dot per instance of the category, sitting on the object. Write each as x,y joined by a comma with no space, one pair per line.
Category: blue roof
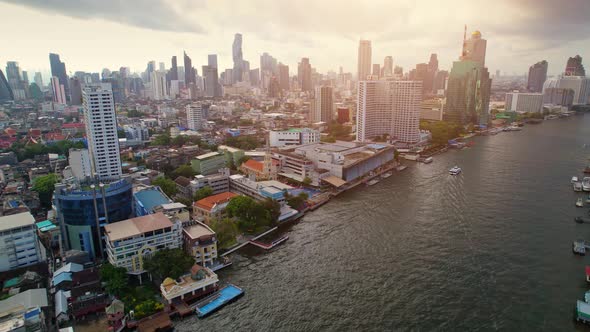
45,226
13,204
58,279
150,198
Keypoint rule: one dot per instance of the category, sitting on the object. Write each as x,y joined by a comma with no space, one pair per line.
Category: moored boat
580,202
586,183
574,179
455,170
372,182
577,186
386,175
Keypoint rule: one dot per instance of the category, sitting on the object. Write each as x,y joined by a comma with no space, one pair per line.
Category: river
489,249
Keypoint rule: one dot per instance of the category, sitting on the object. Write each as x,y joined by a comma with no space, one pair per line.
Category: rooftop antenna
464,51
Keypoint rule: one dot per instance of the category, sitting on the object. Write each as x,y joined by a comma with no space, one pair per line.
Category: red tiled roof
253,165
183,181
73,125
54,137
207,203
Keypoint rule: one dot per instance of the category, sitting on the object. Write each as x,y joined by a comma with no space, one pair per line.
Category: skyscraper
59,95
474,48
537,76
151,67
189,71
323,104
468,93
173,74
238,58
5,90
304,75
364,60
212,61
38,80
387,66
194,116
162,66
376,70
159,87
75,91
101,131
574,67
58,69
210,81
15,81
283,76
389,108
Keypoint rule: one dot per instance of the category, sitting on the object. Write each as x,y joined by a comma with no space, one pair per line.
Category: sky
91,35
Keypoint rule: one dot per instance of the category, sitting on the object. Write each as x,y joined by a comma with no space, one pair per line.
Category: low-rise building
256,168
19,243
431,110
294,136
209,163
212,206
129,241
146,198
201,243
24,311
200,282
233,155
219,182
183,187
524,102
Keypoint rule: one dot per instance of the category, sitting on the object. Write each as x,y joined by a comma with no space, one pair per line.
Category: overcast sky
94,34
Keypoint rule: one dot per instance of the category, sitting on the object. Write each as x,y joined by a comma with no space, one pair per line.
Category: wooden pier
239,246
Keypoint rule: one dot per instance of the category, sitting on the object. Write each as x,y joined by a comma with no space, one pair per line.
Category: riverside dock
240,245
216,301
268,246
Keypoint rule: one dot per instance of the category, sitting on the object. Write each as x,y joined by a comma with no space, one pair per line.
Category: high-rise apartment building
101,131
387,67
58,69
580,85
173,74
389,108
304,75
283,76
5,89
58,90
537,76
19,244
323,104
574,67
194,116
75,91
38,80
238,58
211,84
159,86
364,60
189,71
15,80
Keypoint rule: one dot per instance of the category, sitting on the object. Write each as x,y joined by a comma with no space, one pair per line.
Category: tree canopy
183,170
171,263
203,192
44,185
115,279
250,214
29,151
297,202
162,139
442,131
168,186
226,231
244,142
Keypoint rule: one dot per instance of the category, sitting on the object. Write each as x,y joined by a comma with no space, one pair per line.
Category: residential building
101,131
233,155
387,70
19,244
79,163
579,84
25,311
304,75
58,90
323,105
219,182
159,85
200,282
130,241
15,80
238,58
209,163
211,81
558,97
212,207
537,76
343,115
524,102
283,77
79,292
75,91
189,71
431,110
5,89
73,128
293,136
364,60
194,116
200,242
183,188
389,108
574,67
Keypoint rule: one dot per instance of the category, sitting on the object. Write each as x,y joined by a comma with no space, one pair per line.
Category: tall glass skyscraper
58,69
5,90
238,57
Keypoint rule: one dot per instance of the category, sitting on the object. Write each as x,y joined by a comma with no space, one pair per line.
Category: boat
586,183
579,220
580,202
574,179
426,160
579,247
216,301
582,312
578,186
386,175
401,168
587,279
587,170
373,182
588,199
455,170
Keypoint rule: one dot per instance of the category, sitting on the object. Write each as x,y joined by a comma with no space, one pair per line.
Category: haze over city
91,35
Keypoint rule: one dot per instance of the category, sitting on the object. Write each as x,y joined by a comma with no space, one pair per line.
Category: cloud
147,14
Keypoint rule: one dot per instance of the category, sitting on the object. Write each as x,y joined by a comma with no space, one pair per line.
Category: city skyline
148,34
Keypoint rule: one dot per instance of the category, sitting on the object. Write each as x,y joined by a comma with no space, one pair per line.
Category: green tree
44,185
171,263
242,160
203,192
179,140
297,202
306,181
121,133
183,170
250,214
147,308
135,114
226,231
273,207
163,139
115,279
168,186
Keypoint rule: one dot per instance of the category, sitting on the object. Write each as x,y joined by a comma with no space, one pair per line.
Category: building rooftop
136,226
31,298
228,148
208,155
208,203
182,181
172,206
151,198
254,165
45,226
198,230
16,221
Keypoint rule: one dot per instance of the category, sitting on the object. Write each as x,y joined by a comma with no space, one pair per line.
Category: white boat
588,199
574,179
577,186
386,175
586,183
373,182
427,160
580,202
455,170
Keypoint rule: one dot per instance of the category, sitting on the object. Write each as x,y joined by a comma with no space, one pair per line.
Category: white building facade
194,116
389,108
299,136
19,244
524,102
101,130
79,162
579,84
